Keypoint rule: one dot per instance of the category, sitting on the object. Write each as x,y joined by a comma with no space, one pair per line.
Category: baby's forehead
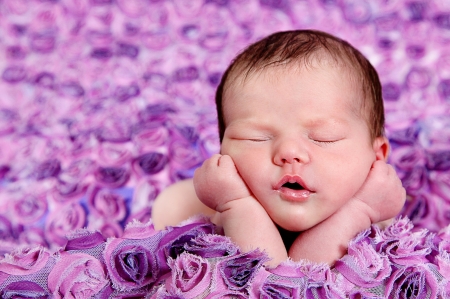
272,73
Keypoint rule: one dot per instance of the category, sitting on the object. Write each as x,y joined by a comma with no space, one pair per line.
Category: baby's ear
381,148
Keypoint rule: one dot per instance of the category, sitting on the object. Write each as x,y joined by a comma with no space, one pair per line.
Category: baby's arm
220,187
380,198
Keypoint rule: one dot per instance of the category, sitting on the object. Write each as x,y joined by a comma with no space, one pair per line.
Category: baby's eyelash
324,141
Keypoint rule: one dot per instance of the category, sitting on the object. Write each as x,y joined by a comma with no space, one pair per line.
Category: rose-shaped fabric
227,294
415,282
82,240
107,204
177,238
150,163
400,228
24,289
24,261
237,272
76,275
438,159
29,208
191,275
362,265
48,169
440,184
320,281
112,177
131,265
62,221
281,289
409,250
209,246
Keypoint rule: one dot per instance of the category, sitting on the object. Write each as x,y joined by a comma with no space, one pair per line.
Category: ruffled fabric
193,260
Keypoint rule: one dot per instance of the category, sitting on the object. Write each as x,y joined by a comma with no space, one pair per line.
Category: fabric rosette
77,275
210,246
24,289
415,282
284,281
320,281
24,261
410,250
174,242
363,265
191,275
237,272
131,264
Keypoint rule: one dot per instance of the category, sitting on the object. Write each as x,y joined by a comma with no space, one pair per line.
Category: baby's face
298,142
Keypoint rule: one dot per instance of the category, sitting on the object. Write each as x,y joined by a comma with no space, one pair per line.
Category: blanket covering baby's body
104,103
194,260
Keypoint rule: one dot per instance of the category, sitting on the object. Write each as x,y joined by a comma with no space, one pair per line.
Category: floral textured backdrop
103,103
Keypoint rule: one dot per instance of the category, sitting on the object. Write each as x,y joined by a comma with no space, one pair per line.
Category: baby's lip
293,179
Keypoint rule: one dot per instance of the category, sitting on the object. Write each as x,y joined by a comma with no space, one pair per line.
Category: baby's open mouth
293,186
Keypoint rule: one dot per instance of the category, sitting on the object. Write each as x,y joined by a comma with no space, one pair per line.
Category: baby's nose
290,152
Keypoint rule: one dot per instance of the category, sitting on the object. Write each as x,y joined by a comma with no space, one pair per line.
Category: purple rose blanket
103,103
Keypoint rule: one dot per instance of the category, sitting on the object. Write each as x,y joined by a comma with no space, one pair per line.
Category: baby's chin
295,226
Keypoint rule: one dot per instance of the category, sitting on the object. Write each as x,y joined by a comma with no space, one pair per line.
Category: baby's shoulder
176,203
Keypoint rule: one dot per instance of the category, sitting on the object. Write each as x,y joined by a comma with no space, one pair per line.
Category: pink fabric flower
238,271
362,265
24,261
63,220
415,282
191,275
76,275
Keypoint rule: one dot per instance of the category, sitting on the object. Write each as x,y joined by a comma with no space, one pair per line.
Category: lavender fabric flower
131,265
209,246
24,289
175,241
363,266
191,275
24,261
237,272
107,204
63,221
416,282
79,275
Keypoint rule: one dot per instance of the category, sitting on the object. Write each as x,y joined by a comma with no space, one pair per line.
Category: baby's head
303,48
301,115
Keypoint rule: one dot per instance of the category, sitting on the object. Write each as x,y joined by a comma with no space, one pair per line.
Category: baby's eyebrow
325,122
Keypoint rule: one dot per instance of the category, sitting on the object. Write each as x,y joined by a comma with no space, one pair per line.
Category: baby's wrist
361,212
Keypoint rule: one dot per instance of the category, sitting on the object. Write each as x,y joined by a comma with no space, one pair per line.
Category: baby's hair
306,46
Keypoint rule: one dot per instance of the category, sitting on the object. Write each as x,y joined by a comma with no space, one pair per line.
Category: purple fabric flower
107,204
83,240
209,246
237,272
362,265
112,177
131,265
24,261
415,282
191,275
151,163
409,250
440,184
28,209
320,281
79,275
180,237
24,289
63,220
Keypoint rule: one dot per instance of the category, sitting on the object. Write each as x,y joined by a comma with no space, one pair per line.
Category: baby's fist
218,182
382,192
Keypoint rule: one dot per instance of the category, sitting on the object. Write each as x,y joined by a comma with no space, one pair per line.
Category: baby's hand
217,182
382,192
